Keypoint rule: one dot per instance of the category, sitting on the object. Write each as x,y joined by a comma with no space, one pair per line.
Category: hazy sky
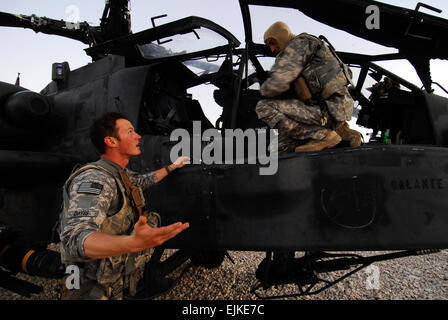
32,54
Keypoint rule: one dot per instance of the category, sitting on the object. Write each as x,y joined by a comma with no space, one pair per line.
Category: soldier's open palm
146,237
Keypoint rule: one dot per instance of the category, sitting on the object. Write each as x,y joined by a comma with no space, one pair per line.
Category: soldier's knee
265,110
262,107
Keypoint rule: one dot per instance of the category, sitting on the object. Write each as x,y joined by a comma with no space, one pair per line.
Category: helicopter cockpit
178,55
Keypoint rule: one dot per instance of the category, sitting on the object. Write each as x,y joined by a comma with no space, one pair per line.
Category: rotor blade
76,31
410,31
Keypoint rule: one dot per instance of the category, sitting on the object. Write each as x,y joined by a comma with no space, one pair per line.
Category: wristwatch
168,169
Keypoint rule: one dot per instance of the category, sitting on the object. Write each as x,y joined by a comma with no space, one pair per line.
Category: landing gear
304,272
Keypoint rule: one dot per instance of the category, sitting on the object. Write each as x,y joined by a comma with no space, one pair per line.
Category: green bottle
386,136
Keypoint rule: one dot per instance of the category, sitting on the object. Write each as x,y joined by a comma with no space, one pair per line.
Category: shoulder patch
90,188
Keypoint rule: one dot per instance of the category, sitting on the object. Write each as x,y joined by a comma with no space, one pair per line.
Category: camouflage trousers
92,290
340,105
295,121
112,281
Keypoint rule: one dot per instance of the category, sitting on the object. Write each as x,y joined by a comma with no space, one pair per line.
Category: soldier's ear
110,142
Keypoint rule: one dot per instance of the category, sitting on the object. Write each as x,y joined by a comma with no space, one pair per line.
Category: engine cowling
26,117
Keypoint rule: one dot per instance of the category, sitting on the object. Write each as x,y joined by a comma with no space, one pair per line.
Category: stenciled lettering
418,184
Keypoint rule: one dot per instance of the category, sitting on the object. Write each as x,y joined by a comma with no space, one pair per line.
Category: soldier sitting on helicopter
306,96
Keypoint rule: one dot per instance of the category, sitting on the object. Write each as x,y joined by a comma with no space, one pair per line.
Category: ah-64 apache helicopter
378,196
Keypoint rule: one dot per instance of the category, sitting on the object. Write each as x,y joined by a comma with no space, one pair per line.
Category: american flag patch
90,188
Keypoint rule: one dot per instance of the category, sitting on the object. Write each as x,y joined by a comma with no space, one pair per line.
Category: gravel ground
411,278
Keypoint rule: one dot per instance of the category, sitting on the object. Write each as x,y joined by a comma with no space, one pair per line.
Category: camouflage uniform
95,199
296,120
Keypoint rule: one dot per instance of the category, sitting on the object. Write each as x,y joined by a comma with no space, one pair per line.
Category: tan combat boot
329,141
347,134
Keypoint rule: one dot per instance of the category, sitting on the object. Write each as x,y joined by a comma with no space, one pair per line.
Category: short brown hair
103,127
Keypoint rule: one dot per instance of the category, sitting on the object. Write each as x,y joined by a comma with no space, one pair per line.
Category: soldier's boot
153,283
329,141
153,286
347,134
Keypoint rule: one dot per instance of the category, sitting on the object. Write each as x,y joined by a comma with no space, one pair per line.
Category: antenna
18,79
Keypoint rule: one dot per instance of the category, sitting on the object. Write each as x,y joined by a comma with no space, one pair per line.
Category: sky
32,54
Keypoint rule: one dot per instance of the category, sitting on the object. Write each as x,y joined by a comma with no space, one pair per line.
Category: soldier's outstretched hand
146,237
181,161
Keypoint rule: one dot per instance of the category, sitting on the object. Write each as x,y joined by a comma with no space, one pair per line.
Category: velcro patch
90,188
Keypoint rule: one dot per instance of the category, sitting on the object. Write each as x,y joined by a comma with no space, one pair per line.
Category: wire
441,87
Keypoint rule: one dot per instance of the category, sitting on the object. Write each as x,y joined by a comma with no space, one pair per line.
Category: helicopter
388,194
